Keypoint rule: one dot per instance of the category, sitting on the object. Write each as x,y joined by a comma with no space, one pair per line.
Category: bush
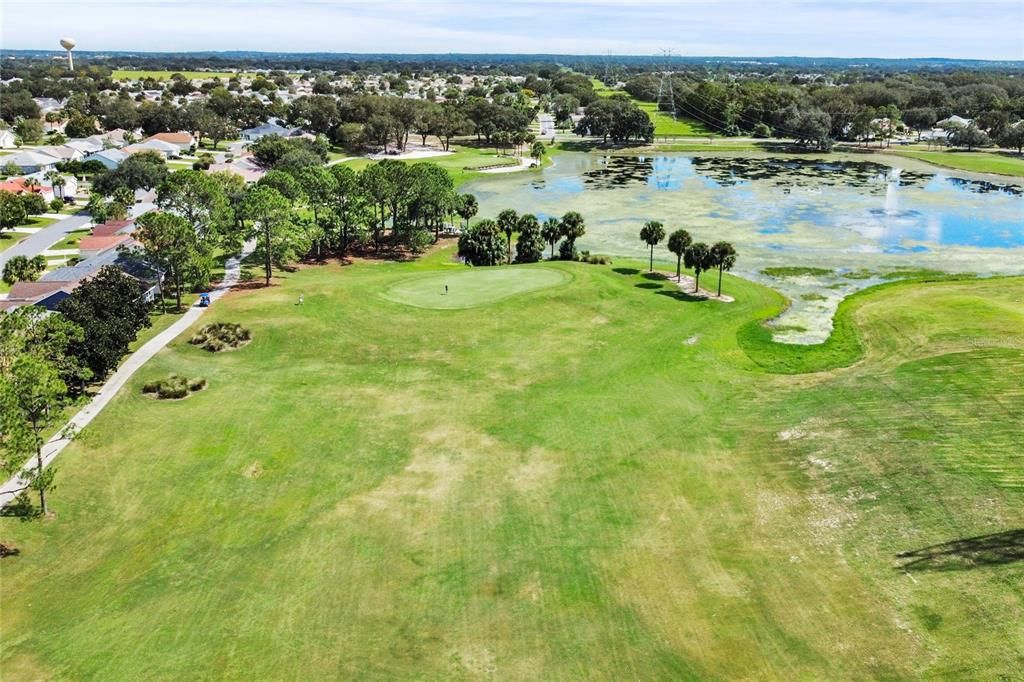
218,336
567,251
483,244
173,387
56,205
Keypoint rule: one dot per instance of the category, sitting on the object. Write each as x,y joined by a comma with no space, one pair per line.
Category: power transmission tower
666,97
609,74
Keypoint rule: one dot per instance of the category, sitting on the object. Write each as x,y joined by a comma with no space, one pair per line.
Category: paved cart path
54,446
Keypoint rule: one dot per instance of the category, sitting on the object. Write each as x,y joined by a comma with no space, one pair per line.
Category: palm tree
652,233
573,228
57,181
467,208
723,256
698,259
678,242
551,232
32,184
537,151
508,220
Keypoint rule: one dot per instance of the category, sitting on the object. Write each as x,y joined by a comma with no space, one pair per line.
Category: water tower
68,44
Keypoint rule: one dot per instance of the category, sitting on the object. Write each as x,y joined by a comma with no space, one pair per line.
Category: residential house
183,141
62,152
44,294
245,166
112,227
268,128
954,121
114,138
7,139
86,146
92,245
31,161
165,149
48,104
110,158
68,189
19,186
70,276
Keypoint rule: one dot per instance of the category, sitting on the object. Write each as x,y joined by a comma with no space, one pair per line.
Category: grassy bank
664,124
582,475
998,163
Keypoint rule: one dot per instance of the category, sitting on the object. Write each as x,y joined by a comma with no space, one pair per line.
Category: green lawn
72,239
979,162
664,124
461,164
585,480
462,288
9,239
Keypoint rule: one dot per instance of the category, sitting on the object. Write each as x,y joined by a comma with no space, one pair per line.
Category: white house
183,141
62,152
86,146
68,189
269,128
48,104
7,139
165,149
954,121
31,161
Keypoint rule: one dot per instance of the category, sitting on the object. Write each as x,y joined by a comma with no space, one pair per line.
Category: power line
665,86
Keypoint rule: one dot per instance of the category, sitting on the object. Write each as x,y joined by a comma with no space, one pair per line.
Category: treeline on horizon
512,64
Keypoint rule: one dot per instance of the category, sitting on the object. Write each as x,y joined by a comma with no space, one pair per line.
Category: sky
983,29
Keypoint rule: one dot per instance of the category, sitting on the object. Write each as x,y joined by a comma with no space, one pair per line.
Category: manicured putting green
472,287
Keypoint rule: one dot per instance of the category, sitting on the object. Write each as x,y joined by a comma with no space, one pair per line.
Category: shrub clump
174,387
594,259
219,336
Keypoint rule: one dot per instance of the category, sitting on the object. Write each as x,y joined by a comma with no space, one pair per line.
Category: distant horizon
988,30
58,52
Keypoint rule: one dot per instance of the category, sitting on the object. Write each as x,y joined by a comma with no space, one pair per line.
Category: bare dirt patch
687,285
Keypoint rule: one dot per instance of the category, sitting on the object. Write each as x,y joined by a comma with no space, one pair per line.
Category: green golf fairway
471,288
599,480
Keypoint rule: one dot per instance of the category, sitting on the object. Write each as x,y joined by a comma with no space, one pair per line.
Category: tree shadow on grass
682,296
657,276
966,553
648,285
626,271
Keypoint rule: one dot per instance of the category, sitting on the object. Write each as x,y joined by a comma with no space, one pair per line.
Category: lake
862,221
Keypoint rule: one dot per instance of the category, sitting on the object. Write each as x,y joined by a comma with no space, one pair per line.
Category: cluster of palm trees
697,256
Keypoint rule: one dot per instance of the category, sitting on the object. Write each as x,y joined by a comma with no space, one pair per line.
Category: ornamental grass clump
219,336
174,387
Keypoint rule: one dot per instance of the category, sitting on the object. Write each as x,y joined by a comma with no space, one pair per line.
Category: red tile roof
173,138
101,243
17,186
111,227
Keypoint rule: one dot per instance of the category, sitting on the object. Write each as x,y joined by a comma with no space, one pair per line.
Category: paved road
36,243
54,446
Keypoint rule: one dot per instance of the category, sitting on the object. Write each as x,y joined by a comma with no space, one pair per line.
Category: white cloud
991,29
